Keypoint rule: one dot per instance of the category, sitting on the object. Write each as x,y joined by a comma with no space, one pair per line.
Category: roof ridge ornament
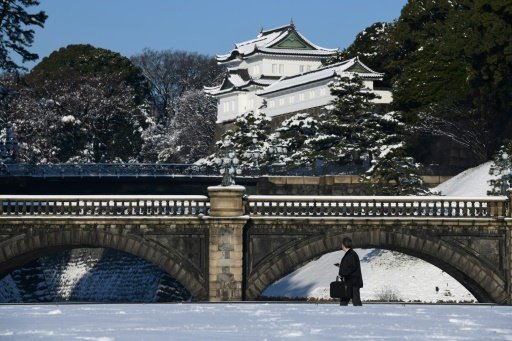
292,25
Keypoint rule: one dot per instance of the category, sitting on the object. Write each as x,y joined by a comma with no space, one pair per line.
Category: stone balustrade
227,201
376,206
104,205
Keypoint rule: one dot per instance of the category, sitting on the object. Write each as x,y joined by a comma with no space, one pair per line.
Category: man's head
346,244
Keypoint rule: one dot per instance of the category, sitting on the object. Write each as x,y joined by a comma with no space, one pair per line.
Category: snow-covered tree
189,135
294,132
346,131
172,73
15,34
194,120
502,168
87,119
8,144
33,120
248,139
392,171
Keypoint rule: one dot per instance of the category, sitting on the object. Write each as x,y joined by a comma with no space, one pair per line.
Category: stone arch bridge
227,246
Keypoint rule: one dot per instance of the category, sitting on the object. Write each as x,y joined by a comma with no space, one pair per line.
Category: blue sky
209,27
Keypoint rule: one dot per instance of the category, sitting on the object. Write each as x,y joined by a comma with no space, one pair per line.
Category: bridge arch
23,248
482,279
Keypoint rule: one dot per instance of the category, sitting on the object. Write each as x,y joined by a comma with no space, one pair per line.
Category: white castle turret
282,70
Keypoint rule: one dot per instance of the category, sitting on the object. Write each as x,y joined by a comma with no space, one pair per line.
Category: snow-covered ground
254,322
473,182
386,275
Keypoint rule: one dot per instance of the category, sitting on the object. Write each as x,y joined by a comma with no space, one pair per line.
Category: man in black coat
350,272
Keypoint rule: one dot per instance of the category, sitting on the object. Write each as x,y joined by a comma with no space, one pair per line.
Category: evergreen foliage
392,171
294,132
395,174
346,131
15,32
457,54
450,65
75,61
248,139
373,46
502,168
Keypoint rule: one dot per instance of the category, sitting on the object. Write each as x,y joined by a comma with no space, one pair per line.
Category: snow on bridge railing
376,206
105,205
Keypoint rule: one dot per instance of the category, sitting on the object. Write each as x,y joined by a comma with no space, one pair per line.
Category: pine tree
502,168
15,36
294,132
346,131
248,140
373,46
452,68
392,172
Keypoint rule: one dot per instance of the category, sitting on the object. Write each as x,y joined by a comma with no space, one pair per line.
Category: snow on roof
266,39
323,52
235,82
341,69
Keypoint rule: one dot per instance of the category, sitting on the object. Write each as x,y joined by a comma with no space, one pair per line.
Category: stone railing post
497,209
508,270
226,224
509,203
226,201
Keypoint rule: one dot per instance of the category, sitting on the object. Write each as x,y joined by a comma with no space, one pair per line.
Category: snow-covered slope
473,182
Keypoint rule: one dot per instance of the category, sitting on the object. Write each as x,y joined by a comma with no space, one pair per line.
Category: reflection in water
91,275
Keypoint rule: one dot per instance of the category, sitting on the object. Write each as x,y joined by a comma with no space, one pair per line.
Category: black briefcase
339,289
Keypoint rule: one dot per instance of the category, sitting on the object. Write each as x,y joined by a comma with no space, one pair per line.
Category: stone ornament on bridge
8,144
228,163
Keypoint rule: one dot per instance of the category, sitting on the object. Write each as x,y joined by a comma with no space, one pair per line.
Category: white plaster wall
291,66
232,109
368,84
314,95
386,96
241,102
304,97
